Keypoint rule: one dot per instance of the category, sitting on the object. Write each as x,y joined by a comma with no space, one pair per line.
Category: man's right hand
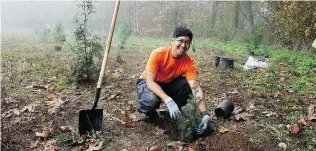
173,108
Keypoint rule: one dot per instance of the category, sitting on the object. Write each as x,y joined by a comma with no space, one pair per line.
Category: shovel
91,120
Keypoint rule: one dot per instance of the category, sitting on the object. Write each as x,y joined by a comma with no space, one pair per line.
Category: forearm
200,100
155,88
198,94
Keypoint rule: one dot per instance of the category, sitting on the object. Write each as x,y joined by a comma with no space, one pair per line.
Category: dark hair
182,31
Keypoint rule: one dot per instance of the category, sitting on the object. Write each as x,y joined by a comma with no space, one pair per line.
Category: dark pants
179,90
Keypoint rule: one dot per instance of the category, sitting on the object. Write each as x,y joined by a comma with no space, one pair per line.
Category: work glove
173,108
203,125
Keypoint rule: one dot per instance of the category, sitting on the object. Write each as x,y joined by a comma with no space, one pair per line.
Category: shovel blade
90,120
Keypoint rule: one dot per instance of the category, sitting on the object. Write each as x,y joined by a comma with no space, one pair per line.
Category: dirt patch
230,141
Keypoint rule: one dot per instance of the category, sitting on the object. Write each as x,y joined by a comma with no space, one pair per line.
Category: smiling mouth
182,50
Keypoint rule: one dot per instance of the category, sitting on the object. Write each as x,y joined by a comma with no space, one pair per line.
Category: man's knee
148,101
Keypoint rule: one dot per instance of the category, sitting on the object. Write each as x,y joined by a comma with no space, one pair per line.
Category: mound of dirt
230,141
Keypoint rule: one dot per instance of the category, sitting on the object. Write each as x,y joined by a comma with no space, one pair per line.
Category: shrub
124,31
86,48
255,36
58,34
190,118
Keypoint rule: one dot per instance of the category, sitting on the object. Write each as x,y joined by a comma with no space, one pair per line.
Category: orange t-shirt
167,68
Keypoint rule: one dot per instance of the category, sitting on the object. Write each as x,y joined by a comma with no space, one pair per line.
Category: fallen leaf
282,74
45,80
238,109
304,121
134,117
282,145
276,94
178,145
46,131
55,105
65,128
269,113
282,79
51,97
34,144
39,134
124,116
15,111
155,148
294,107
282,84
50,88
312,112
83,146
190,149
222,129
130,124
158,131
234,92
242,116
284,93
95,146
113,96
251,105
27,108
51,148
51,142
294,129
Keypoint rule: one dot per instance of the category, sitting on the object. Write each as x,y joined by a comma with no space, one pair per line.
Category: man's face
180,46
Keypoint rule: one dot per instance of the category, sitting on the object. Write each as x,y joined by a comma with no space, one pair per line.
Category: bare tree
250,14
237,14
214,12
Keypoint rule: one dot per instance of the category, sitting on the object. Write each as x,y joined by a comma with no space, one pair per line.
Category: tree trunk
136,17
237,14
249,8
214,12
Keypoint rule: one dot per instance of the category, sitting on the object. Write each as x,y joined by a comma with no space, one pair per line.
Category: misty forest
69,71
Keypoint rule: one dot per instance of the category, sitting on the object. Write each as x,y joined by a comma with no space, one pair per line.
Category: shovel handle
106,55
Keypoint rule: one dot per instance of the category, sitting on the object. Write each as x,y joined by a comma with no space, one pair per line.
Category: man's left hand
203,125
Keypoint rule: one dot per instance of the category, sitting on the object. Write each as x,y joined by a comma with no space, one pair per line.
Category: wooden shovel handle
106,55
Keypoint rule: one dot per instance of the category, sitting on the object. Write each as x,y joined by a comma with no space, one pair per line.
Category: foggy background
152,18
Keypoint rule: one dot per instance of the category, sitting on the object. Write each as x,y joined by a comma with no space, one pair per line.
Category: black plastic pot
227,63
216,60
225,109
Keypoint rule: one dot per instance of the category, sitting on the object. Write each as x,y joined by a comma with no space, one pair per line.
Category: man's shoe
165,114
150,118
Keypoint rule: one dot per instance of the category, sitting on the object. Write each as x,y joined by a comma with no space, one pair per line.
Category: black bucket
227,63
216,60
225,109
